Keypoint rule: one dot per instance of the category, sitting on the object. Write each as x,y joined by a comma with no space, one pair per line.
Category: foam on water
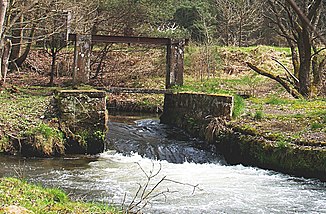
221,188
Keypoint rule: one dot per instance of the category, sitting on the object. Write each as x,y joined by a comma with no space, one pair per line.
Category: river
195,179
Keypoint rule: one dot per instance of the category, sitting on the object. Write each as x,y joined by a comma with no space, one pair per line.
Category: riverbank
18,196
262,107
277,134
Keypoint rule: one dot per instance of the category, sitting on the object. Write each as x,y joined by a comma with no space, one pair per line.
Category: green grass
26,116
317,125
47,140
259,115
278,101
37,199
20,111
282,144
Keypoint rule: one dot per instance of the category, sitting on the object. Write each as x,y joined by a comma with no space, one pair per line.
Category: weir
83,114
222,188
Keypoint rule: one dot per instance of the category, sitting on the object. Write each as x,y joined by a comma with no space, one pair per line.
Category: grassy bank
287,120
26,118
19,195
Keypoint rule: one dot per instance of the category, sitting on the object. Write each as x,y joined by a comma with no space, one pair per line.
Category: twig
186,184
146,196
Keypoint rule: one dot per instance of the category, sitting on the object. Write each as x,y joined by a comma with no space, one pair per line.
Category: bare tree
57,29
18,17
239,22
302,40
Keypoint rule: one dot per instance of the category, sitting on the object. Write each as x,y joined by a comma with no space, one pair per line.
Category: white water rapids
221,188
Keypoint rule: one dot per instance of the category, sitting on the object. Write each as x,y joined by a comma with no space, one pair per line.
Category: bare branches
147,192
238,21
306,19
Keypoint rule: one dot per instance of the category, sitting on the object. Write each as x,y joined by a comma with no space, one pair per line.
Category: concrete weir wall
194,111
83,119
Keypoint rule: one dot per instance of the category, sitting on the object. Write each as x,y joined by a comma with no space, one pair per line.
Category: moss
99,135
275,136
44,139
246,129
277,155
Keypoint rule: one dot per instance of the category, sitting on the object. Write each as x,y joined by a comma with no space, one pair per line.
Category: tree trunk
295,58
17,39
304,46
3,9
240,28
54,58
5,61
317,68
20,60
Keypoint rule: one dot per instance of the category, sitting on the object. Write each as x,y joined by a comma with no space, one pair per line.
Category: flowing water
139,147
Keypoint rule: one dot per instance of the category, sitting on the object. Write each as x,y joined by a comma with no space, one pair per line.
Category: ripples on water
223,188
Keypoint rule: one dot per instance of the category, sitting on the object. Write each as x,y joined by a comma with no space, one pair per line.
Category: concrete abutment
83,119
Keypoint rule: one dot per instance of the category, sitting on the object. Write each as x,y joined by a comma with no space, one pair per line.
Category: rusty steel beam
126,39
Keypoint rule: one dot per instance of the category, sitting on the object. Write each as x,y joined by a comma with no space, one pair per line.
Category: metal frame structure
174,54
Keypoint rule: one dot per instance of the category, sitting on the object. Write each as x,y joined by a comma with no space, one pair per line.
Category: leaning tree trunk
17,63
283,81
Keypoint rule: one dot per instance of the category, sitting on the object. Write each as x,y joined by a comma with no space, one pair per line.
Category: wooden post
82,59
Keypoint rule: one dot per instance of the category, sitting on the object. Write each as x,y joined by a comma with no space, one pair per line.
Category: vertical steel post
168,65
82,58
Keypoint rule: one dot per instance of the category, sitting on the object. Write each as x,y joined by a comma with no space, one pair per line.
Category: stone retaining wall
83,119
194,111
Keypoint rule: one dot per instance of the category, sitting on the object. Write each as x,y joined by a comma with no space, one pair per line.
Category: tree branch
287,70
288,87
